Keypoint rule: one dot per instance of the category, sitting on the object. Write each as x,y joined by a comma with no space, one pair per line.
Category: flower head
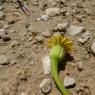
62,41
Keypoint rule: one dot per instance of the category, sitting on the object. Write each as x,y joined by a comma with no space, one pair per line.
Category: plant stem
55,75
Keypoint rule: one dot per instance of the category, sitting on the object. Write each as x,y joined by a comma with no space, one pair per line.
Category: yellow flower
60,40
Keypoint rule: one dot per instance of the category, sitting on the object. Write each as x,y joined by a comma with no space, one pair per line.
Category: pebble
84,38
23,93
5,38
4,60
30,39
75,30
61,26
13,62
12,31
38,19
6,26
2,32
44,17
46,86
30,28
39,38
46,33
53,4
1,8
46,64
69,82
93,47
1,15
80,65
73,64
52,11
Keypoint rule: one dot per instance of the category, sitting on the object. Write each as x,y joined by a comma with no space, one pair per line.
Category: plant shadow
62,63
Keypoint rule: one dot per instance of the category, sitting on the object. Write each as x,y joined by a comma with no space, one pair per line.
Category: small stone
12,31
4,60
44,17
61,26
52,11
46,86
32,63
75,30
1,8
13,62
30,39
39,38
46,34
69,82
38,19
93,47
57,33
46,64
5,38
80,65
53,4
23,93
72,64
2,32
1,15
6,26
84,38
30,28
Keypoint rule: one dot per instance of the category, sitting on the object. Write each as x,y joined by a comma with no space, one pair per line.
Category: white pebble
61,26
38,19
93,47
1,8
52,11
84,38
32,29
46,86
46,33
1,15
46,64
75,30
39,38
44,17
4,60
23,93
68,81
80,65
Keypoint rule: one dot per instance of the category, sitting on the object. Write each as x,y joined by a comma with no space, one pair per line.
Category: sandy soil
25,73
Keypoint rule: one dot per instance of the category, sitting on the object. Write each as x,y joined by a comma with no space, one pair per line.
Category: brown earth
25,72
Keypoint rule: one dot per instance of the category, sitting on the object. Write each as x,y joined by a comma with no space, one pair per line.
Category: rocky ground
23,46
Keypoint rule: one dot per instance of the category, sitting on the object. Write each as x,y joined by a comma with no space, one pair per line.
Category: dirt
25,73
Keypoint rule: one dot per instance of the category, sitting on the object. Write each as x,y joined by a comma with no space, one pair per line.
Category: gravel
75,30
1,15
6,38
46,86
46,33
69,82
52,11
44,17
4,60
46,64
61,26
2,32
80,65
84,37
93,47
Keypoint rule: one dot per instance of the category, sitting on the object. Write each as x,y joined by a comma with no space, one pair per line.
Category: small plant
59,47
